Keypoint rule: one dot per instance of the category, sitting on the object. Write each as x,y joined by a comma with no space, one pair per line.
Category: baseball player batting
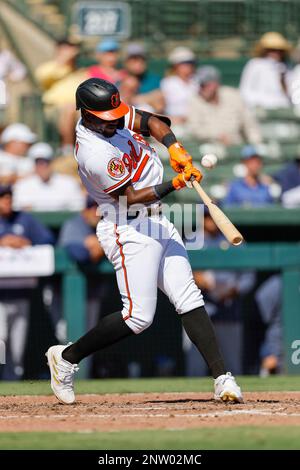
116,164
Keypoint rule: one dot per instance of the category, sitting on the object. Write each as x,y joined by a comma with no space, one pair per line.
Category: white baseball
209,161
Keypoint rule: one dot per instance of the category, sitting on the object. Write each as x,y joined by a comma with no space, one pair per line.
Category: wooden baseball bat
221,220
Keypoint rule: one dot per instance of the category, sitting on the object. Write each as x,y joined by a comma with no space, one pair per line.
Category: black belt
149,212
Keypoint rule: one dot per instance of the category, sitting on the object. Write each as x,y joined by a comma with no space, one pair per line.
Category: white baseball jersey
106,164
146,253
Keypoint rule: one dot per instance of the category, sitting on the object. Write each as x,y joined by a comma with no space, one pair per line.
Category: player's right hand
179,157
189,171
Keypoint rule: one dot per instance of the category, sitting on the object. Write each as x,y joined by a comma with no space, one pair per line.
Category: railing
278,257
265,216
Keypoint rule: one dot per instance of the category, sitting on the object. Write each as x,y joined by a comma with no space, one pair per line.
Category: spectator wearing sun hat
107,56
16,139
266,78
46,190
180,85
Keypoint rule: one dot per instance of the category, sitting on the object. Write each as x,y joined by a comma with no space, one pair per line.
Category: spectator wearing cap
180,85
136,65
46,190
107,55
17,230
249,191
266,78
140,87
217,113
16,139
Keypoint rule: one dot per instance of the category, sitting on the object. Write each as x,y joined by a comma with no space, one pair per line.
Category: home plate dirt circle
116,412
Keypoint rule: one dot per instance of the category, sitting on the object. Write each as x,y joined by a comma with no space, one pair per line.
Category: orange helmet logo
115,100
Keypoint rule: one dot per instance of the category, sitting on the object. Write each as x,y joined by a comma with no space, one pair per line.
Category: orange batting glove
179,157
190,171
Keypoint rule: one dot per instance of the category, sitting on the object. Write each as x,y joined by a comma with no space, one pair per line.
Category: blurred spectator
289,179
136,65
63,64
151,102
107,55
268,298
10,67
140,87
250,190
265,78
16,139
218,114
17,230
78,237
46,190
11,70
60,79
223,291
66,165
180,85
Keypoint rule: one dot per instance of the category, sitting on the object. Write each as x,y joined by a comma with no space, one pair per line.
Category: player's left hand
190,172
179,157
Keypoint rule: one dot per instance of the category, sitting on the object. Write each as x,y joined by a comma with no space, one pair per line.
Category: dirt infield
116,412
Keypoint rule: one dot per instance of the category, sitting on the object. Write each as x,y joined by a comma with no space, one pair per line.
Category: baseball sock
109,330
200,330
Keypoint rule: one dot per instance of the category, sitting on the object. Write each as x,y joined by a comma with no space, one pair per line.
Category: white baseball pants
146,254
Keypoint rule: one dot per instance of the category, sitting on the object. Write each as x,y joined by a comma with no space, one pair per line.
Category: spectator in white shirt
16,140
265,78
10,69
218,114
46,190
178,87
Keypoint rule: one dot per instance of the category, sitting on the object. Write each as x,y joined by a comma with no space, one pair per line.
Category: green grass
201,439
275,383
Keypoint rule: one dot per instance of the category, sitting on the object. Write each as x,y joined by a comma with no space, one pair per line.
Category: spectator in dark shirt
78,237
17,230
289,180
250,190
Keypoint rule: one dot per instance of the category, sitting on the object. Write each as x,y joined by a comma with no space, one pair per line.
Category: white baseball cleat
62,375
227,390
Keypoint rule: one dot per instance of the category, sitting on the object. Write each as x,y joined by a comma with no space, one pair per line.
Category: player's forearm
149,194
161,132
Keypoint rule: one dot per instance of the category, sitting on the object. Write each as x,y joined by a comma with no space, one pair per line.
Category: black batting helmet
100,98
